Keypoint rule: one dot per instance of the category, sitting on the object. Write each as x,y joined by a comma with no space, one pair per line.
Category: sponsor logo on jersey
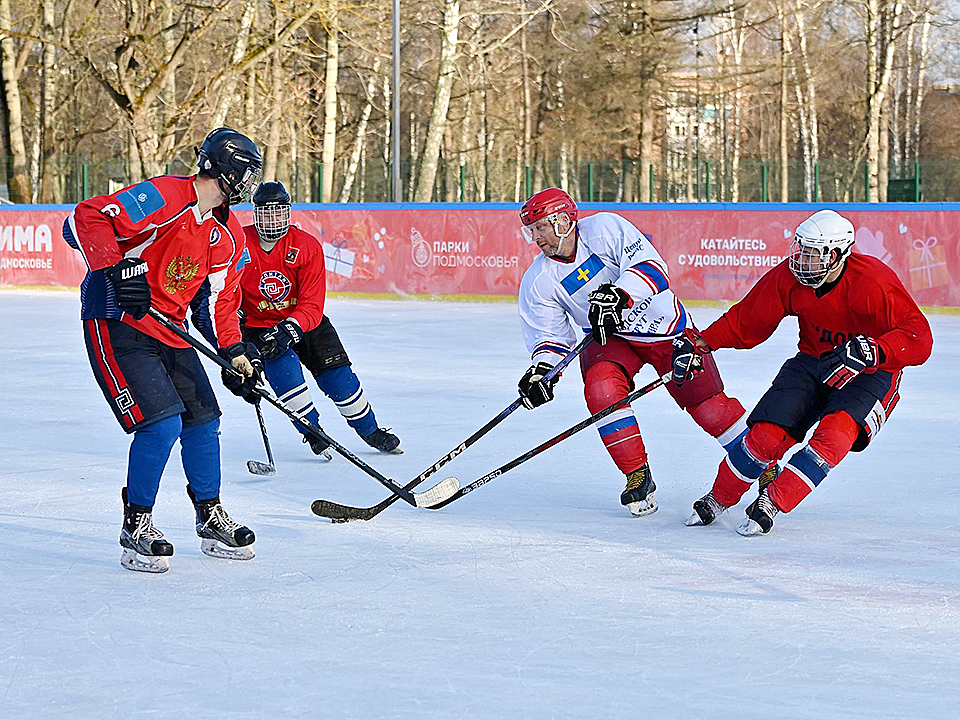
291,256
275,286
141,200
180,271
215,236
587,271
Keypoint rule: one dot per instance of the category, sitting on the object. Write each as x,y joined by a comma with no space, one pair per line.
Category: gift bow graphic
927,260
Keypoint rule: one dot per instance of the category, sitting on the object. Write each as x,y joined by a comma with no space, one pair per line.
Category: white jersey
610,249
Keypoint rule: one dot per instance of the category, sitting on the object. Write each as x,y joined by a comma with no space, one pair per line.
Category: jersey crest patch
215,236
291,256
244,259
274,286
180,271
586,272
141,200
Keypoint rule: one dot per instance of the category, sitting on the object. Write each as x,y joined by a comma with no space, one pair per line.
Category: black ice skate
638,494
139,537
383,440
319,446
706,510
220,536
760,514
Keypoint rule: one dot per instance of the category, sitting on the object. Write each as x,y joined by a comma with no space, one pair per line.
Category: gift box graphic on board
338,259
928,265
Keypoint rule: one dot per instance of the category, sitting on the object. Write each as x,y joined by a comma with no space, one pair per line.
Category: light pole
395,126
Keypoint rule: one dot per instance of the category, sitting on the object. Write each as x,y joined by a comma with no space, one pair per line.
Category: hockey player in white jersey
601,275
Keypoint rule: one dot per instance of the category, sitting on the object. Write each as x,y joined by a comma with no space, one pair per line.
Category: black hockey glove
280,338
129,278
607,304
534,390
687,355
838,367
245,359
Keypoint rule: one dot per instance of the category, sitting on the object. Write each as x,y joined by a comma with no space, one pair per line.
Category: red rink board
715,252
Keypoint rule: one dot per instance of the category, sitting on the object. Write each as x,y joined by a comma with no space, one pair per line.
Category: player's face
549,233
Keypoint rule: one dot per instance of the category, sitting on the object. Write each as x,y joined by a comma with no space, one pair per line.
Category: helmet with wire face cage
820,245
234,160
547,206
271,211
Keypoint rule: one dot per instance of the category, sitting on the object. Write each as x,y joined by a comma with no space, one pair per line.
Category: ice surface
537,596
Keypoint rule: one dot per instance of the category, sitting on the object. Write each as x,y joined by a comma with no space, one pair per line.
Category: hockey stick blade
555,440
259,468
437,495
342,513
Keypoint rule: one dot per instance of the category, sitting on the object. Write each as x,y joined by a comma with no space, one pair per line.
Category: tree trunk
357,150
18,173
880,30
330,108
441,102
921,78
227,92
272,151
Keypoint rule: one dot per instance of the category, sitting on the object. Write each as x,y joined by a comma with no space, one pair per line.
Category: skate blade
750,528
643,507
259,468
218,550
396,451
153,564
694,520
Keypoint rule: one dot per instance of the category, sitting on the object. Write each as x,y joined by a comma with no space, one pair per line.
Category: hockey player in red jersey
858,329
284,289
169,242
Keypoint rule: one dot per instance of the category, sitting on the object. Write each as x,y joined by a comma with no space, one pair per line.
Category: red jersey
188,256
290,281
868,299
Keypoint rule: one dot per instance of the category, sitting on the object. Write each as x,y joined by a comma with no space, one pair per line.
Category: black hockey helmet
271,211
234,160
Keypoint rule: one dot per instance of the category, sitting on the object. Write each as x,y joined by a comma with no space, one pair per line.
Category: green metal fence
494,179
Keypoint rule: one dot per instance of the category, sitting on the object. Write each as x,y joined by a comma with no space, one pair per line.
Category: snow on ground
535,597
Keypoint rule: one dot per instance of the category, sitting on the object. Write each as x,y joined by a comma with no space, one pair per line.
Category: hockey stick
431,496
466,489
255,466
343,513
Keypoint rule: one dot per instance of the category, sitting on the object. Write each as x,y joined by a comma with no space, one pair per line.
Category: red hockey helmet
547,205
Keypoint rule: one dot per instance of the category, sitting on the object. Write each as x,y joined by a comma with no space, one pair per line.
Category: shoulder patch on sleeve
291,256
244,259
141,200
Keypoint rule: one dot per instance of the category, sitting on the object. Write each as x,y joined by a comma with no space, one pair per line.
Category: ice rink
537,596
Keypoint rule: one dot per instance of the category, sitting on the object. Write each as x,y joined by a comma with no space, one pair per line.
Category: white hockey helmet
820,245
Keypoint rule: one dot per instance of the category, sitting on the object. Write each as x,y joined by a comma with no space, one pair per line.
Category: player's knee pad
603,384
834,437
160,436
768,442
721,416
200,455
